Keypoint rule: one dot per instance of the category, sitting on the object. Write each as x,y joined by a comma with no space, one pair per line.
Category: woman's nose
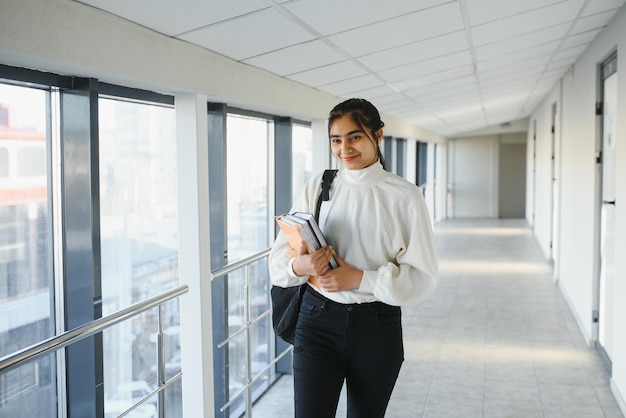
345,146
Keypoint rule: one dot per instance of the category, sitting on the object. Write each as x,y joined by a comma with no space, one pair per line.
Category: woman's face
352,146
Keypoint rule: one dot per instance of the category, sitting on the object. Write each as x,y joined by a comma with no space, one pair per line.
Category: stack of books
300,226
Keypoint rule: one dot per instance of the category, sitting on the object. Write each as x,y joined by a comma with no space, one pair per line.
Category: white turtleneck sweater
377,222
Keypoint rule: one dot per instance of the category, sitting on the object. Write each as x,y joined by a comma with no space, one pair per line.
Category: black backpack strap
327,179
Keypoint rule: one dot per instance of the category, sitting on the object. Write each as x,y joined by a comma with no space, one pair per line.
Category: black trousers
359,343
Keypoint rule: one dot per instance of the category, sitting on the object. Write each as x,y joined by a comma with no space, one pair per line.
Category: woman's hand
345,277
314,264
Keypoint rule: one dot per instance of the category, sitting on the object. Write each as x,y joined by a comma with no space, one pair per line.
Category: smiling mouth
349,158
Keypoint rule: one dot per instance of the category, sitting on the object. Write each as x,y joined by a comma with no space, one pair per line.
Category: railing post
160,363
248,343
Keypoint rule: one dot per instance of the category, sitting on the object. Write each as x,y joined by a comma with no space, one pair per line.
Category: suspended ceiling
448,66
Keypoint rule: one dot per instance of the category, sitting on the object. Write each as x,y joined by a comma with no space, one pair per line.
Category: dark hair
364,115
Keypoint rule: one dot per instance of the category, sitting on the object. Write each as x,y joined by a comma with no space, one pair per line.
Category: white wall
540,197
440,158
578,208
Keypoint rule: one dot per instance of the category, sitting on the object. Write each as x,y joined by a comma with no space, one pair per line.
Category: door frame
603,72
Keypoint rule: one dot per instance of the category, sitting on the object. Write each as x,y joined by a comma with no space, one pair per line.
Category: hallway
496,339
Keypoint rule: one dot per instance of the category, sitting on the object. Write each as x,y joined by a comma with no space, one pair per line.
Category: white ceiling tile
297,58
516,61
397,107
461,83
328,74
175,17
506,76
372,94
416,51
597,6
331,16
435,124
497,92
421,81
555,72
388,100
466,115
454,95
352,85
250,35
572,53
431,66
592,22
520,24
528,40
401,30
483,11
580,39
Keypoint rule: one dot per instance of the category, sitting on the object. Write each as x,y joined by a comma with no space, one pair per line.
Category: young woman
377,225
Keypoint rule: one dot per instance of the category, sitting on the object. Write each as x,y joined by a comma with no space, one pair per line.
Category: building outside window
27,287
248,144
139,241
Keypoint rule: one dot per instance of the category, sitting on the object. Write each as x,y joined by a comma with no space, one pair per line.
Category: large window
139,240
302,158
248,143
247,184
26,279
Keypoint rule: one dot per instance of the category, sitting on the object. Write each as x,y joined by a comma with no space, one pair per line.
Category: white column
194,260
321,146
410,155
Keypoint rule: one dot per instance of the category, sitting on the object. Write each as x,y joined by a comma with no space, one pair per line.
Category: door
607,217
554,231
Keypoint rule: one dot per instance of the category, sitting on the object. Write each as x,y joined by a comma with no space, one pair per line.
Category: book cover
296,233
309,225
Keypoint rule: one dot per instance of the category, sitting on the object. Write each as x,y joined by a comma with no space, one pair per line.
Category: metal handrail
236,265
67,338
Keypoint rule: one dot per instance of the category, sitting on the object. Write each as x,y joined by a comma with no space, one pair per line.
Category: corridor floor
495,340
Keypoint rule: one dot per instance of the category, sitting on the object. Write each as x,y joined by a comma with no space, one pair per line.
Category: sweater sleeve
413,273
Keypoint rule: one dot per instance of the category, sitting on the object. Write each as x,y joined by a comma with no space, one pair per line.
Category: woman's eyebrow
348,134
